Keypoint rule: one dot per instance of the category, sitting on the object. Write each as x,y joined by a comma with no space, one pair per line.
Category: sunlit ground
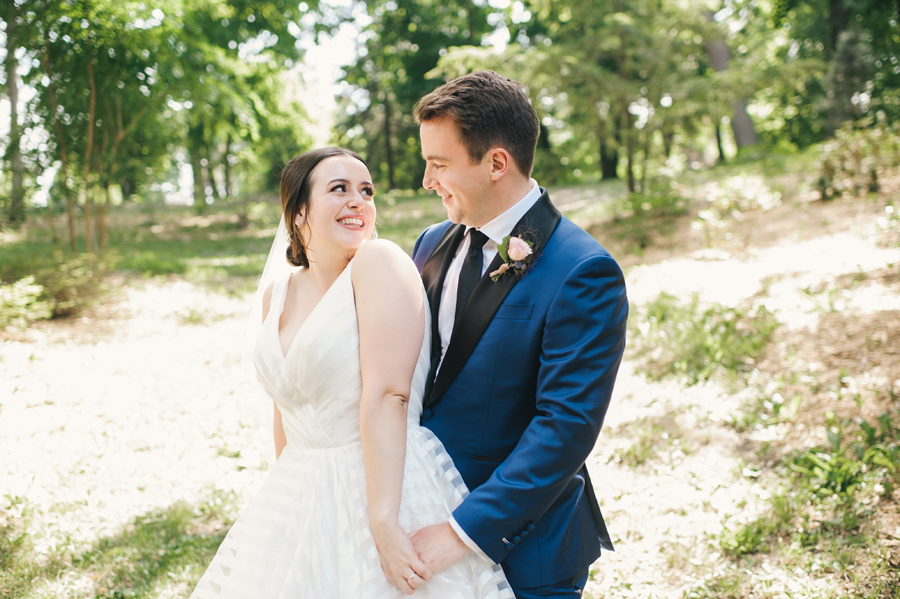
130,436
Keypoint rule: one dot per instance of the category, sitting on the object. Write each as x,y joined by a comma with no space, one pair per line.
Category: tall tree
719,57
403,44
10,14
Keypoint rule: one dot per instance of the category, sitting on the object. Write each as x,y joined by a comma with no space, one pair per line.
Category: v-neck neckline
283,354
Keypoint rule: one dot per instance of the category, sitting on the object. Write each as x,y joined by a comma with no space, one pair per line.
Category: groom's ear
501,161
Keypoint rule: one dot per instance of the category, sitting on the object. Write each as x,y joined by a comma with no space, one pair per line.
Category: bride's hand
399,561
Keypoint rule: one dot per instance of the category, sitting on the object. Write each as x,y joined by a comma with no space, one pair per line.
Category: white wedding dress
306,533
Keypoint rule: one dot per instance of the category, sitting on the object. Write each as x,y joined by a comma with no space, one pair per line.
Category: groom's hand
438,546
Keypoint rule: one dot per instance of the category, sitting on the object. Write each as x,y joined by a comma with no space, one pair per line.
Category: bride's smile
341,215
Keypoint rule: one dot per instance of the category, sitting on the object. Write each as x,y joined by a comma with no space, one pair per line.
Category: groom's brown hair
489,110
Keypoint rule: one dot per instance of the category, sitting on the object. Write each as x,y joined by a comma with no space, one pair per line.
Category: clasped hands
409,561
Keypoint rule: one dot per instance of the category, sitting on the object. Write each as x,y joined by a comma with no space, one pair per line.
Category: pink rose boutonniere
517,255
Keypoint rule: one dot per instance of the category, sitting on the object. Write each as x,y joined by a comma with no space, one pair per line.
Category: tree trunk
741,123
92,111
719,142
195,141
389,156
645,158
14,150
211,172
60,139
627,121
668,138
101,221
609,158
226,167
628,131
838,19
543,140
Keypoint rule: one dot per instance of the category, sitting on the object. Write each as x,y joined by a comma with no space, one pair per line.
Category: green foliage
642,220
860,155
20,304
830,491
688,341
59,286
870,460
403,42
766,410
653,436
150,554
14,540
153,547
71,285
403,215
728,200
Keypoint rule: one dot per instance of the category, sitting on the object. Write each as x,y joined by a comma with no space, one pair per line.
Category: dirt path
103,420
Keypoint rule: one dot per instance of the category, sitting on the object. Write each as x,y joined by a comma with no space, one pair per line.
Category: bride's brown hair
295,188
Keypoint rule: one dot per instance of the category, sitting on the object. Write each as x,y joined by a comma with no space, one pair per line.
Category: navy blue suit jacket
522,393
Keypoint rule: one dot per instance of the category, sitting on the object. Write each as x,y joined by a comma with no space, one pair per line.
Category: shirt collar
502,225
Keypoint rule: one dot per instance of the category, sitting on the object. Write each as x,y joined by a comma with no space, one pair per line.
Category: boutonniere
517,255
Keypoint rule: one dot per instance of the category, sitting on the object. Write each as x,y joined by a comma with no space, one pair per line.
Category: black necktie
471,271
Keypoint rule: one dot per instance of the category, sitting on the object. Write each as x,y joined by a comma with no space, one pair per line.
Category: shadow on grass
154,552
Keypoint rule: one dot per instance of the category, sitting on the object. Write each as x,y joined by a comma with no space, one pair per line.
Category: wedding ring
410,577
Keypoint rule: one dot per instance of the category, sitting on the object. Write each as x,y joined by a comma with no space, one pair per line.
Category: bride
343,351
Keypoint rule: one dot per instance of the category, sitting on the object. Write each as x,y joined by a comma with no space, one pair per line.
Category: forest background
142,154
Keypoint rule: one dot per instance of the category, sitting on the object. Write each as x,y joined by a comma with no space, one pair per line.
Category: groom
528,317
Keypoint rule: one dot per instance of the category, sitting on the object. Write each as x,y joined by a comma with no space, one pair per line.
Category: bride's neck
323,270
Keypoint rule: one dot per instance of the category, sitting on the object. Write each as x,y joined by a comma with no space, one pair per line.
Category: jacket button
516,539
530,527
427,413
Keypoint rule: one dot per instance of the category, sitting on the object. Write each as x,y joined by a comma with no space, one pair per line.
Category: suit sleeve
581,349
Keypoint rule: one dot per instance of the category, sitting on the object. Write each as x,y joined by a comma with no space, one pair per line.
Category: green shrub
72,285
20,304
859,156
672,338
642,219
729,200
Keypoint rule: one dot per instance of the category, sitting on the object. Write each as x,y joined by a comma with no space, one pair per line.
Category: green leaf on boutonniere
503,248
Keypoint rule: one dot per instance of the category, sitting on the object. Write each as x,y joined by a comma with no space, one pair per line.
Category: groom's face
464,186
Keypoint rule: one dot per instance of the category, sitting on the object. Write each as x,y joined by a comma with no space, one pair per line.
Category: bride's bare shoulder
385,260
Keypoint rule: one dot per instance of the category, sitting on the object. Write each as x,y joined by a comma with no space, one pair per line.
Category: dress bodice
317,383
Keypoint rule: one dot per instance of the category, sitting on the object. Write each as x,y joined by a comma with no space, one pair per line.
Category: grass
827,517
156,554
654,437
670,338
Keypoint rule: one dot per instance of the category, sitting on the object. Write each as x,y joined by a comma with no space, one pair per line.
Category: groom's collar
501,226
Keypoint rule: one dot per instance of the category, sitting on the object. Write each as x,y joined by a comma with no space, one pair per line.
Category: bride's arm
391,312
277,428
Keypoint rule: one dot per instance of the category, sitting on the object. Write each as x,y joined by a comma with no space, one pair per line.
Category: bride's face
341,213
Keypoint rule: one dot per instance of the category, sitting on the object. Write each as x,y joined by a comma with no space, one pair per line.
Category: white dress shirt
495,231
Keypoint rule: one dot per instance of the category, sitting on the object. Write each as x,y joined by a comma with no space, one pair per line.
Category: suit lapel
433,274
538,225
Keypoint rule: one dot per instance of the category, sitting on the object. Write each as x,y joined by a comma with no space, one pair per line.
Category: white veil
277,267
